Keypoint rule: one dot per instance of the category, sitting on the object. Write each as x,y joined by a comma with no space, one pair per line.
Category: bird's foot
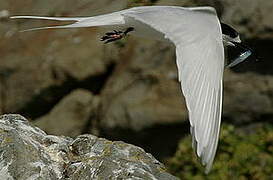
112,36
115,35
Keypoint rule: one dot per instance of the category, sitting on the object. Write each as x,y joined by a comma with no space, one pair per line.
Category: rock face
78,105
248,97
27,152
40,73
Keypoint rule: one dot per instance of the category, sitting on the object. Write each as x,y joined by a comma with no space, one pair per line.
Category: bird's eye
229,31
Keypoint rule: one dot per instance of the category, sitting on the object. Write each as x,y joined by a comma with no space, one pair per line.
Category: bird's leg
115,35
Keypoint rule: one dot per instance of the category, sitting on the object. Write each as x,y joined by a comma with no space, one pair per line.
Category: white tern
199,38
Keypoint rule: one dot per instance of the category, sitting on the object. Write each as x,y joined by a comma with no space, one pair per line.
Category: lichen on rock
27,152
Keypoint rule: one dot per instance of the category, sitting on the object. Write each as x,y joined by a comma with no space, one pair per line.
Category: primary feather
196,33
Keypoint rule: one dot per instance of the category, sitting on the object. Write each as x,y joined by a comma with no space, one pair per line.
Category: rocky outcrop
27,152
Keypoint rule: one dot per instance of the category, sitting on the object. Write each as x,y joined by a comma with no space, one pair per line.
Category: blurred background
68,83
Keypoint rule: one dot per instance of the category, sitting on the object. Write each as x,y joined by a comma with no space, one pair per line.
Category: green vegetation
240,156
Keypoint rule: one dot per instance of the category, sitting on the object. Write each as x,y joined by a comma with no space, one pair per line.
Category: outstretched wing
196,32
201,71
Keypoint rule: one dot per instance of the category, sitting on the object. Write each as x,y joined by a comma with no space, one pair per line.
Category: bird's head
230,35
231,38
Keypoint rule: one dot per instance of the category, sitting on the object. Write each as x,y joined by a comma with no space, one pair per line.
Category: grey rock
4,14
26,152
252,18
71,115
247,97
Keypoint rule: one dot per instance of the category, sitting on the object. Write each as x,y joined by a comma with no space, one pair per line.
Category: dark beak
242,46
246,48
245,53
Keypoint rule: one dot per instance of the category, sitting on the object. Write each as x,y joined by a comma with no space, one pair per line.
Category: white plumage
196,33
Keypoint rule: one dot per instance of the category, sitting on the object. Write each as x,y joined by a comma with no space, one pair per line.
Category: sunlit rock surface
27,152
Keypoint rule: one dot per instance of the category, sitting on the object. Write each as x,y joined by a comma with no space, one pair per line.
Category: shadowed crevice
159,140
162,140
42,103
262,118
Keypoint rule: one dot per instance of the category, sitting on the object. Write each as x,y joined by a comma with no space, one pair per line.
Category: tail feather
51,27
102,20
50,18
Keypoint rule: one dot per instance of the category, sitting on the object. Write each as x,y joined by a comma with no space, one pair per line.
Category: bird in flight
199,38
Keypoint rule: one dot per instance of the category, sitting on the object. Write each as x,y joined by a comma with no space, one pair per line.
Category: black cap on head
229,31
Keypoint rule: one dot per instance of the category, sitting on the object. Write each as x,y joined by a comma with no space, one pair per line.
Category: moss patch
240,156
